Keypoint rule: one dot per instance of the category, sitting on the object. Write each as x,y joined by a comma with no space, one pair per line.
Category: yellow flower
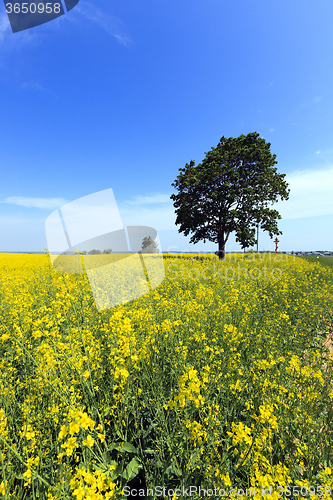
2,487
70,445
226,479
121,372
79,493
63,432
86,421
89,441
28,475
74,428
101,437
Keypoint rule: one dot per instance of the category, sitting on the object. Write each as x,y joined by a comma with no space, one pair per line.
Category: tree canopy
229,192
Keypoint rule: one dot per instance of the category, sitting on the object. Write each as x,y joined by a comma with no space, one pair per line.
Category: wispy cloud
32,86
307,106
161,219
13,44
154,210
4,25
315,100
25,222
14,40
42,203
148,200
35,86
310,194
108,23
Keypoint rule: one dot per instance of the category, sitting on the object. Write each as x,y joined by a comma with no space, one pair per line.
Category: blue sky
122,94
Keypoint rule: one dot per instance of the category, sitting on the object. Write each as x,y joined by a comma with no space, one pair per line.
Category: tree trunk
221,251
221,241
258,238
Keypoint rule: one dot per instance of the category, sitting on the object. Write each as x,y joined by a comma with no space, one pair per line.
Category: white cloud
4,24
110,24
310,194
10,220
135,212
43,203
13,40
309,103
147,200
161,219
317,152
271,130
35,86
5,27
32,86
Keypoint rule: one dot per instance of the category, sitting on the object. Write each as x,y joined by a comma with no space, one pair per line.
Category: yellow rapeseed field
217,379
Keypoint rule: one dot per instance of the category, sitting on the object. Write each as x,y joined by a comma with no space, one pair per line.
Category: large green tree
229,192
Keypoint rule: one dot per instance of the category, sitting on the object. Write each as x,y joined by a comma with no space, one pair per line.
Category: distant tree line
148,246
97,252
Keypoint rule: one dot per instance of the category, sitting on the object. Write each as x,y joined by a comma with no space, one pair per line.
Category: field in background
218,378
323,261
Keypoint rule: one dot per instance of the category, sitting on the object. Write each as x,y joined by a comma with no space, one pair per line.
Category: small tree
229,192
108,250
149,246
94,252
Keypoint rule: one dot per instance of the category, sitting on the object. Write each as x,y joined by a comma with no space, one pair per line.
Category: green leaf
125,447
132,469
120,434
173,469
